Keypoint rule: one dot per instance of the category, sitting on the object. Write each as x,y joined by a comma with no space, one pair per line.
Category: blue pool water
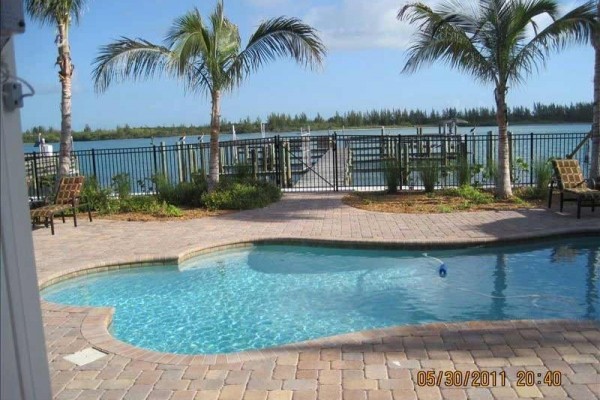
268,295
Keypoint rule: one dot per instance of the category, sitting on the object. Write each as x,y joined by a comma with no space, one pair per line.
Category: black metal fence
320,163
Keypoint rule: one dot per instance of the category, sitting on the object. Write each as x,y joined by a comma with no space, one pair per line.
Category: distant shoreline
149,132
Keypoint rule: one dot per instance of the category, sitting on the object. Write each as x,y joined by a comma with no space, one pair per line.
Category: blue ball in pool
442,271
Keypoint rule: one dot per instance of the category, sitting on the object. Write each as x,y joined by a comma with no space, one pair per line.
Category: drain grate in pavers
85,356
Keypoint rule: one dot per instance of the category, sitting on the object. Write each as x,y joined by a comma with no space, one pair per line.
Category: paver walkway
379,364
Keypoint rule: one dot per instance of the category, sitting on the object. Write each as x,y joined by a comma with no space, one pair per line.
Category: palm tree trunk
595,161
503,184
215,128
65,74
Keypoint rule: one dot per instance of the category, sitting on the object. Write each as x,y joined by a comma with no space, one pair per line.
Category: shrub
430,173
491,172
393,174
97,198
241,196
182,194
148,205
519,165
463,171
542,173
476,196
121,184
471,194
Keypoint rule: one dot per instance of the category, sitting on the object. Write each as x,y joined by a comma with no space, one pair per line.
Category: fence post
36,182
154,159
190,161
510,156
464,150
282,165
405,166
474,143
201,154
94,163
335,161
180,177
531,158
265,155
277,161
254,163
444,151
194,161
221,161
288,164
489,151
164,161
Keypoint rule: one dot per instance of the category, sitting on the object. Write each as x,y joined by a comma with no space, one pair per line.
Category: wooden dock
322,173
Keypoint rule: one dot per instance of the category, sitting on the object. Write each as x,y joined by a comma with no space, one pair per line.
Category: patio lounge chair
571,183
67,198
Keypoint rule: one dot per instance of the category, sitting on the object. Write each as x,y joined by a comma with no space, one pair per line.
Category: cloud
361,24
365,24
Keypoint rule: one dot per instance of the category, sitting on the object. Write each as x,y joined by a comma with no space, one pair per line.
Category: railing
317,163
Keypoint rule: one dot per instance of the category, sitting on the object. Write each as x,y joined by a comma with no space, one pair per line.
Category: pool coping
95,325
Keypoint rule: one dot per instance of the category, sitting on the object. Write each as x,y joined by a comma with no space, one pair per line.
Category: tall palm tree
209,58
61,13
490,40
595,162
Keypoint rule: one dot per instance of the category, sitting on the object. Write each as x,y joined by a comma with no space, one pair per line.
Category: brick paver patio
378,364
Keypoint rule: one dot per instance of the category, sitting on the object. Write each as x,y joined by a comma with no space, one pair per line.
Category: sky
362,71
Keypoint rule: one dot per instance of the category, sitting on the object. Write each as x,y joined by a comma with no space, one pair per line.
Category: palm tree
61,13
209,58
490,40
595,162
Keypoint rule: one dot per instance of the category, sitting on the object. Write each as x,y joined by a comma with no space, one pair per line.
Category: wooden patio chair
67,197
572,186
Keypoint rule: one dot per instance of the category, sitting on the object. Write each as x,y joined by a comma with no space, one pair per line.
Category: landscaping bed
443,201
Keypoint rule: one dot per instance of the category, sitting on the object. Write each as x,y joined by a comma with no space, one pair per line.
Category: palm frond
199,78
280,37
447,36
188,38
577,26
52,12
130,58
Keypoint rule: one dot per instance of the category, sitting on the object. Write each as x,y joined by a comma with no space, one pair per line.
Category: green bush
393,174
241,196
121,184
491,172
430,174
542,174
474,195
97,198
463,171
184,193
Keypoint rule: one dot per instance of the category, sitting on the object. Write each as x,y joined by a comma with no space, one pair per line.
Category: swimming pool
268,295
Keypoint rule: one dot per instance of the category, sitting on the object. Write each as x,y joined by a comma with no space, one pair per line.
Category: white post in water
262,130
306,157
234,148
